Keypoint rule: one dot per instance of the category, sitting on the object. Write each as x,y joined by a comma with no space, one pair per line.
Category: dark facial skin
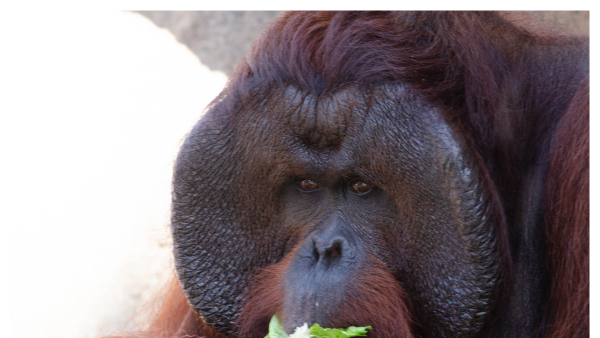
333,184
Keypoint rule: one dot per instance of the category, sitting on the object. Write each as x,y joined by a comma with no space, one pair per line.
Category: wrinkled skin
239,205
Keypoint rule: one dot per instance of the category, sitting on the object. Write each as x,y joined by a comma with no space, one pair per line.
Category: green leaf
317,331
276,329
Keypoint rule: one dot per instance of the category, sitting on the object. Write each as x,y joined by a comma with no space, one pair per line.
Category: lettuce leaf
276,329
315,331
318,332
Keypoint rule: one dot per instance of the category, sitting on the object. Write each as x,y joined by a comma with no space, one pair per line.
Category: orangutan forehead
323,120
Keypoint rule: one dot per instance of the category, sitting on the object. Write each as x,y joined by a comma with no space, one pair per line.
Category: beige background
95,118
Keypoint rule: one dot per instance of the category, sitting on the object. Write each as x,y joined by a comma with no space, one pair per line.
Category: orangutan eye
360,187
307,184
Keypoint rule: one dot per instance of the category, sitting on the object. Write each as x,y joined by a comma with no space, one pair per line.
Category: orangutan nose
332,244
328,250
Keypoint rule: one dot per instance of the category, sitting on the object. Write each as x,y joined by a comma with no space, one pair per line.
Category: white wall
94,108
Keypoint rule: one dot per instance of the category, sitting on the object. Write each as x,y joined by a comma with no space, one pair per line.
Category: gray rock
219,39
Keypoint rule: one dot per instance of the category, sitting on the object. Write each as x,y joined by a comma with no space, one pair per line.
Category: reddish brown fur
263,300
378,300
568,222
473,65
